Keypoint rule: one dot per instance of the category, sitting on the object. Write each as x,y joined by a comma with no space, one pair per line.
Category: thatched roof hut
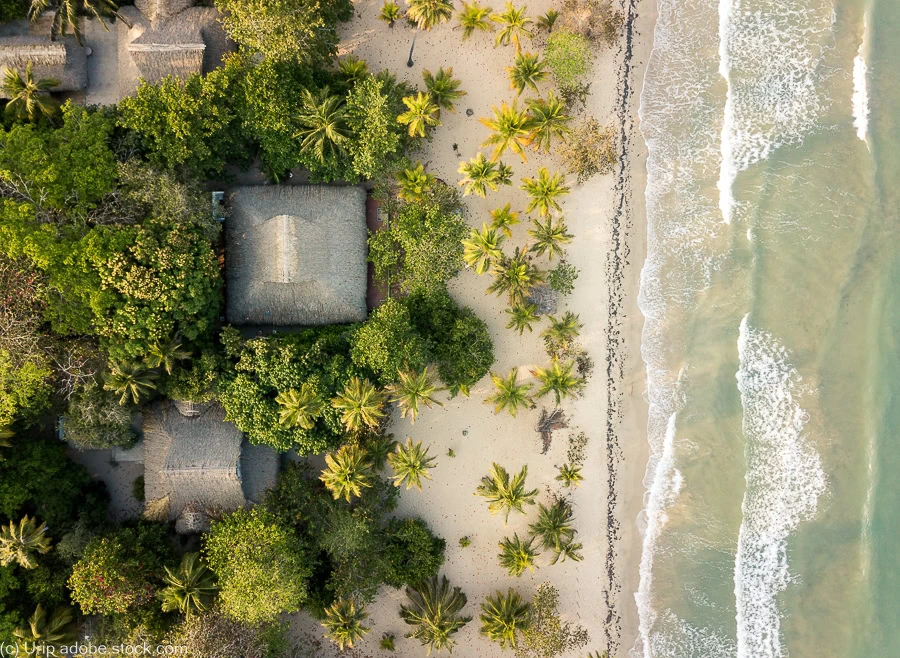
200,465
63,60
296,255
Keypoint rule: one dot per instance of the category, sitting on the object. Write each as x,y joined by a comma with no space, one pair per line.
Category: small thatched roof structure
199,463
296,255
63,60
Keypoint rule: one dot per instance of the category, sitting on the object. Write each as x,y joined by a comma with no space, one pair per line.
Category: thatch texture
296,255
63,60
162,9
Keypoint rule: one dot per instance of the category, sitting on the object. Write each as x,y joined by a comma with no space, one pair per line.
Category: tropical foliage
481,174
414,389
410,463
514,24
544,191
510,128
19,542
560,380
427,14
502,615
421,114
474,16
189,589
517,555
344,623
554,530
504,493
443,87
433,611
482,248
47,631
545,634
300,408
515,276
549,237
509,394
527,71
347,472
28,98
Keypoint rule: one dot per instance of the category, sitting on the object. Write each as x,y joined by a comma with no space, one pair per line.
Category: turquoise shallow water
770,292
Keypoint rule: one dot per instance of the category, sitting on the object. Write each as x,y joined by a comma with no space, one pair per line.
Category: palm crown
549,237
517,555
504,218
444,89
558,379
166,355
515,25
527,71
410,463
323,124
505,493
347,472
361,404
434,612
52,631
511,127
414,183
300,408
190,588
67,14
502,615
482,247
509,394
479,174
20,541
421,113
544,190
427,14
554,529
413,389
344,623
515,276
548,120
474,16
129,380
28,99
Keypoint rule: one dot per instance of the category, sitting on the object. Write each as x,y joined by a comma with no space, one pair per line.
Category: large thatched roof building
62,60
197,465
296,255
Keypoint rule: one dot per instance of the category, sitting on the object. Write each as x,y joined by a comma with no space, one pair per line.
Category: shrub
569,57
545,634
589,150
199,380
388,343
412,551
212,634
95,419
10,10
597,20
24,388
372,117
562,278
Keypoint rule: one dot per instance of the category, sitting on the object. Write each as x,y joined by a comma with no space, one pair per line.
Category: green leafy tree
427,14
522,317
527,71
262,566
412,552
560,380
300,408
474,16
514,23
443,88
509,394
544,191
414,183
545,634
570,475
517,555
421,113
569,57
24,386
190,589
390,13
166,354
347,472
434,613
515,276
19,542
323,125
554,529
479,174
505,493
344,623
483,248
502,615
410,463
549,237
130,381
548,120
378,140
28,98
510,129
414,389
47,631
388,343
67,14
504,219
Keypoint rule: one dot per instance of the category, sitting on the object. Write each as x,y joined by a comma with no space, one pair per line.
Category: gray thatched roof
162,9
296,255
63,60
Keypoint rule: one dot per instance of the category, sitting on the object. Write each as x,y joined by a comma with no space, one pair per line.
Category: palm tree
548,120
509,393
300,408
517,555
544,191
504,218
505,494
522,316
515,276
410,464
378,446
503,615
68,12
554,529
561,333
421,113
558,379
515,25
427,14
347,472
54,631
434,612
479,174
353,69
361,404
323,124
504,174
474,16
28,99
390,12
548,20
510,127
482,248
190,588
20,541
414,183
413,389
129,380
344,623
549,237
443,88
166,355
570,475
527,71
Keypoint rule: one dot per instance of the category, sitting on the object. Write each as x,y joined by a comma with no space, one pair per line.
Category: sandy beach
606,217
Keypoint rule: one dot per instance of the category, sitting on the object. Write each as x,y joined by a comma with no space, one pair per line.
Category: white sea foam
860,89
784,480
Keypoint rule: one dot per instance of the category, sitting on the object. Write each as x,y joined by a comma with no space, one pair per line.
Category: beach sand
606,217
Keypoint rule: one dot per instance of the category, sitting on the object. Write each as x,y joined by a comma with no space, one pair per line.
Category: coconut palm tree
544,190
559,379
444,89
166,355
53,631
414,183
190,588
347,472
427,14
434,613
549,237
421,114
517,555
554,529
300,408
352,69
67,14
129,380
511,127
504,174
504,218
509,394
361,404
482,248
28,99
503,615
515,276
548,119
474,16
410,464
390,13
561,333
515,25
378,446
479,174
548,20
521,317
323,124
570,475
20,541
413,389
527,71
505,493
344,623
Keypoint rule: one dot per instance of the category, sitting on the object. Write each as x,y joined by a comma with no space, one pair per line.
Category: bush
590,149
569,57
562,278
24,388
597,20
10,10
372,117
214,635
95,419
413,553
199,380
388,342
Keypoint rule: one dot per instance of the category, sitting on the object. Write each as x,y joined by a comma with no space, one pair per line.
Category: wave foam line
860,90
784,480
728,168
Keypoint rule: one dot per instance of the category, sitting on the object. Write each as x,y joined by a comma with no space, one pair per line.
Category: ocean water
770,291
